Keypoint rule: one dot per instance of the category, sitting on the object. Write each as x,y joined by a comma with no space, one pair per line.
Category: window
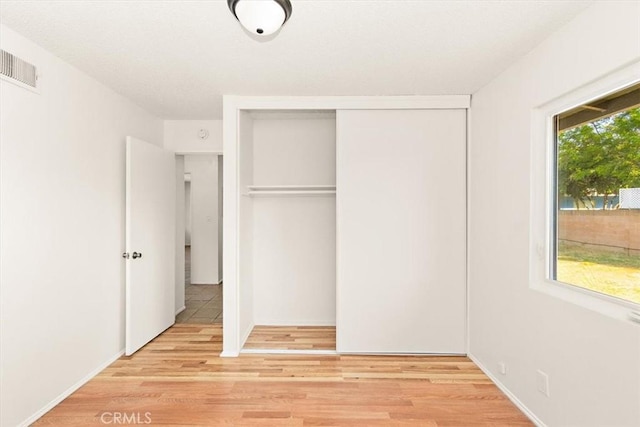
596,224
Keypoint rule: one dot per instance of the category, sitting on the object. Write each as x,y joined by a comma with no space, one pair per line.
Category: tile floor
203,302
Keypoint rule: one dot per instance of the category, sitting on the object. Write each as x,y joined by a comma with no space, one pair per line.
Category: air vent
18,70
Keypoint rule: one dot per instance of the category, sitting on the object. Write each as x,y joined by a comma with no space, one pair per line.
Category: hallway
203,302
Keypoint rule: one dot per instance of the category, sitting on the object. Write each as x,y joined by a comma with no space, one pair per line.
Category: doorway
199,238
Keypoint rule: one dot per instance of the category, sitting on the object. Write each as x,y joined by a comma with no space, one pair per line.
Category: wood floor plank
179,380
292,338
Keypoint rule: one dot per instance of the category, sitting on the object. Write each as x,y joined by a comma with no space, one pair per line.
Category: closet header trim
347,102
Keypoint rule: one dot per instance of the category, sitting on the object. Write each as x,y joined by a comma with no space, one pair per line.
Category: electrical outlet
502,368
542,382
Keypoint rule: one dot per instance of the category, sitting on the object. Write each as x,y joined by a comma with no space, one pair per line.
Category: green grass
597,256
612,273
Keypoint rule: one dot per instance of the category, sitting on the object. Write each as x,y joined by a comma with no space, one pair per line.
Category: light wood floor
292,338
179,380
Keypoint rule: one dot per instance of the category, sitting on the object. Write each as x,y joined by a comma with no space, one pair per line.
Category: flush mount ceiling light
262,17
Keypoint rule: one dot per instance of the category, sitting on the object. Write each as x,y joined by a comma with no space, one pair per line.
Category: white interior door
401,221
150,241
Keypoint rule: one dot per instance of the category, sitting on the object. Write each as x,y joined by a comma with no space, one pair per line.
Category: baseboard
203,283
245,335
534,419
283,322
32,419
235,352
292,352
180,310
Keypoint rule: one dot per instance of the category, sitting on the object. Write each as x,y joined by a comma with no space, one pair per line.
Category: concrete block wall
613,229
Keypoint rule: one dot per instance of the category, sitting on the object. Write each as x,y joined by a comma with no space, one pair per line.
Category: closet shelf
265,188
290,193
289,190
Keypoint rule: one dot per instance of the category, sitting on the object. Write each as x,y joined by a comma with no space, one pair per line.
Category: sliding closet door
401,226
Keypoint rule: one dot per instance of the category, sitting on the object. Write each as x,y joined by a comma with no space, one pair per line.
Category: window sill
609,306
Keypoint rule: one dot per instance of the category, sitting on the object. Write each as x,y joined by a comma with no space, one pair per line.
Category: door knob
136,255
125,255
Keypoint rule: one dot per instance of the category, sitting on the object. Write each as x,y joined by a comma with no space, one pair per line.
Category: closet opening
287,230
338,217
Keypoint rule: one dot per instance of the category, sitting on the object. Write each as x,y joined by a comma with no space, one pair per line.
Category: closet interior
287,229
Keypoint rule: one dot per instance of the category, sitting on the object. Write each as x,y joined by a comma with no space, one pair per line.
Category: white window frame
542,207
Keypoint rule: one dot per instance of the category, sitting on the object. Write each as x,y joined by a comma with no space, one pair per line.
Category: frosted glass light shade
262,17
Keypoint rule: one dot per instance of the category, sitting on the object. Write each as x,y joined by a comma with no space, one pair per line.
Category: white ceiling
176,58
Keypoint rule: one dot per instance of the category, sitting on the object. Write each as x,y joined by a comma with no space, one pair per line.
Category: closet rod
291,193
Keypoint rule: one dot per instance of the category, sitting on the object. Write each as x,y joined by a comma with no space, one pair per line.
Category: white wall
62,181
294,239
593,361
181,136
187,210
204,217
297,151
